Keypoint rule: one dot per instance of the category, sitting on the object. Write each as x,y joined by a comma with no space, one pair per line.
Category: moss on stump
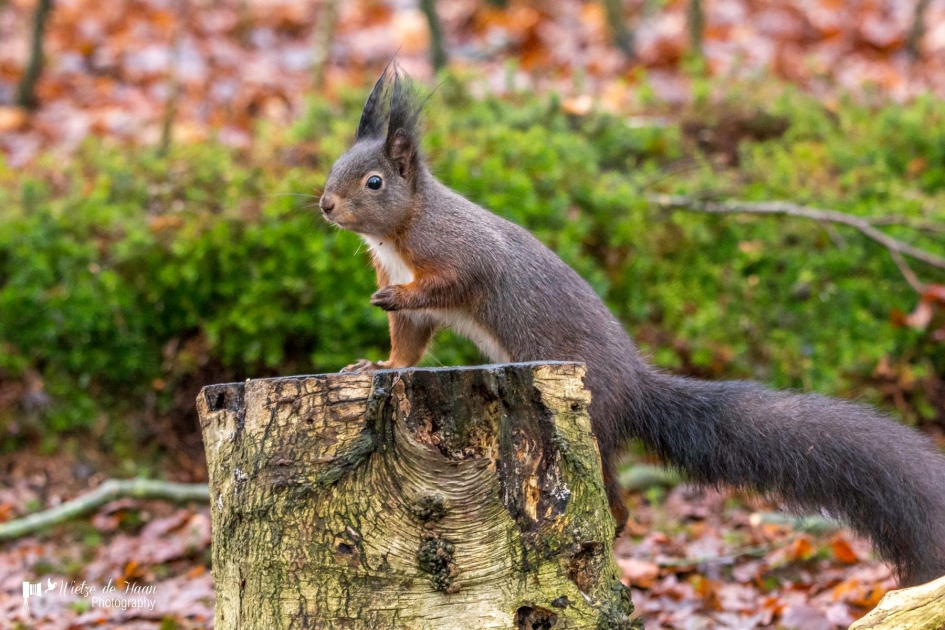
422,498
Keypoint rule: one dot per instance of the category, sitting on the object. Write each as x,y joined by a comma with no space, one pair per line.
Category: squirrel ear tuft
374,116
403,130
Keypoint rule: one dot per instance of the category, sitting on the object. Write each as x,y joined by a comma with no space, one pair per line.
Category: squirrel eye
374,182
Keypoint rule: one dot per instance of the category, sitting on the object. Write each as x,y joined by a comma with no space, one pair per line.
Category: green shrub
123,275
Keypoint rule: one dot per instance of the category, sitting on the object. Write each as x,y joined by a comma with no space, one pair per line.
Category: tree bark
422,498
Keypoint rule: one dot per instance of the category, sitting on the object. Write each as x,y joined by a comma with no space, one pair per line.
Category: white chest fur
460,322
386,254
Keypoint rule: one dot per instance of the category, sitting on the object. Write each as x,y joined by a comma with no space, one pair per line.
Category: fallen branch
110,490
917,608
866,226
747,552
643,477
909,222
640,477
907,273
809,524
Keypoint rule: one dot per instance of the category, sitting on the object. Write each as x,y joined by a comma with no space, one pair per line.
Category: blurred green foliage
126,278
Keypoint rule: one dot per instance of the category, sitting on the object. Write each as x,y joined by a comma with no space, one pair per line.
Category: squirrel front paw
364,365
388,298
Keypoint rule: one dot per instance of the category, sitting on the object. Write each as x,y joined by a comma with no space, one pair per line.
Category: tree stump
918,608
421,498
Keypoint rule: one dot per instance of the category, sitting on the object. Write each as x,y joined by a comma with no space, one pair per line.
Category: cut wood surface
422,498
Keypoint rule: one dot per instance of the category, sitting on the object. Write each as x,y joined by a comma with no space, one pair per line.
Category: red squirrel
443,261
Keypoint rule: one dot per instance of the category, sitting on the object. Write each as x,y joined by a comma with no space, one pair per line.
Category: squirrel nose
326,203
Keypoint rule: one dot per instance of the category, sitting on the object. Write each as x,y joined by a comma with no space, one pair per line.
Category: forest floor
694,558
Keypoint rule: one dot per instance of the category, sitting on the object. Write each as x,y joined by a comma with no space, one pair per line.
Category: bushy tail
816,454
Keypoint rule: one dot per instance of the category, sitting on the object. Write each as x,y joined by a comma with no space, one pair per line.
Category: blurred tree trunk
244,23
450,498
914,41
620,34
695,24
325,37
438,56
181,15
26,92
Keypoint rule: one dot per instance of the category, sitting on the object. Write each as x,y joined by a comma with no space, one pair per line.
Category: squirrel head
372,188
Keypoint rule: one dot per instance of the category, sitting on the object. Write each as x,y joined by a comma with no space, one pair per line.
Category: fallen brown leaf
638,573
12,118
843,551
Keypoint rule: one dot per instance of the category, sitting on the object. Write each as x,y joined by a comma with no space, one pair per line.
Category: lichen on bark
422,498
